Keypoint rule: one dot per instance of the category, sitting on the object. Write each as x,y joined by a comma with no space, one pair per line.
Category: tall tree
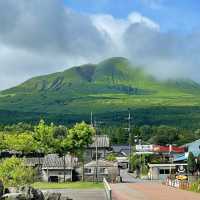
44,136
78,139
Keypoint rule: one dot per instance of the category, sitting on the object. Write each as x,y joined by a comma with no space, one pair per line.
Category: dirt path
150,191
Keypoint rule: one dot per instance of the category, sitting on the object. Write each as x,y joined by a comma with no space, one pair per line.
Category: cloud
39,37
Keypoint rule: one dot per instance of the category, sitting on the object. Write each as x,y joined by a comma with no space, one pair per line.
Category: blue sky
172,15
46,36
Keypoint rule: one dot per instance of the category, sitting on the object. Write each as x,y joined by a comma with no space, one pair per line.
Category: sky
40,37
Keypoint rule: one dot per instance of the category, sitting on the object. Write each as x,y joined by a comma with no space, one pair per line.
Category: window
167,171
88,170
162,171
102,170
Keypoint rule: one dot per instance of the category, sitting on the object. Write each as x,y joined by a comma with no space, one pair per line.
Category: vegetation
107,89
70,185
192,166
195,187
13,172
111,157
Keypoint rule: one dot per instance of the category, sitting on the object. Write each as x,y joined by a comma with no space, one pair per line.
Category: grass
68,185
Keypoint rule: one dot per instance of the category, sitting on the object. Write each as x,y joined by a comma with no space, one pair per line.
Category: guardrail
107,189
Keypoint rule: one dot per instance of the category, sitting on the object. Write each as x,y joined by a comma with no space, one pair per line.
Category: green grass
68,185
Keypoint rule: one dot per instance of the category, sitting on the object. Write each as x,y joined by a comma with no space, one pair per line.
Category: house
121,149
122,153
102,144
162,171
57,169
96,171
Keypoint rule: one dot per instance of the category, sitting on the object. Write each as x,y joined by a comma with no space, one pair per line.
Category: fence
107,189
184,184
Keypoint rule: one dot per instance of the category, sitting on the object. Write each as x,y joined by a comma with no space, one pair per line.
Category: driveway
127,178
84,194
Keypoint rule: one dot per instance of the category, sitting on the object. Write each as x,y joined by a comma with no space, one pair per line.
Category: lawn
68,185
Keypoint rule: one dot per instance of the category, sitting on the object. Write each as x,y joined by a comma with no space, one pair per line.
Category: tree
13,172
192,167
198,163
44,137
78,139
23,142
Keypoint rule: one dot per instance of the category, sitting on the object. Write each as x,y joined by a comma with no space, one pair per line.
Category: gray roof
124,149
53,161
101,141
34,161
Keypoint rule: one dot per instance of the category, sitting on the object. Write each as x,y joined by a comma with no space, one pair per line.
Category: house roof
191,143
34,161
53,161
124,149
101,163
194,147
101,141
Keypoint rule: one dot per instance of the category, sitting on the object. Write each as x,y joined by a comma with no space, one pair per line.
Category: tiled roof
53,161
125,149
101,141
34,161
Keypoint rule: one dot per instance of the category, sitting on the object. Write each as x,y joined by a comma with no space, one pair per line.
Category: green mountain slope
110,86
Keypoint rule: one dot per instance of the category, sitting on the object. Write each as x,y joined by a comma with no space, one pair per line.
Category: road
135,189
93,194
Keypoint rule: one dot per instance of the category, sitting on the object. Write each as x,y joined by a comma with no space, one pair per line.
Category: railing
107,189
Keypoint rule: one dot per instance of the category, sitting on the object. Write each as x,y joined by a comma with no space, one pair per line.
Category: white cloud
136,17
39,42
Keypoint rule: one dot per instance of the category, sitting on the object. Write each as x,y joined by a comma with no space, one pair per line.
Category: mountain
111,86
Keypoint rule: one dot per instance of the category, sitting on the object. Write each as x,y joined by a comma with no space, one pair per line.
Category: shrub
195,187
13,172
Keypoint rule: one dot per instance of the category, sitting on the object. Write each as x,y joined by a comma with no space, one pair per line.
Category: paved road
150,191
94,194
136,189
127,178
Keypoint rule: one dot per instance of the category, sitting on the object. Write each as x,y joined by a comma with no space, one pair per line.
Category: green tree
44,137
192,167
23,142
198,163
78,139
13,172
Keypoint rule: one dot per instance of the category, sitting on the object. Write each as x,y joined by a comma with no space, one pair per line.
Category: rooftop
101,141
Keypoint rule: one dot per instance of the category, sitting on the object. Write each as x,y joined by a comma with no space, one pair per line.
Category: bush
111,157
195,187
13,172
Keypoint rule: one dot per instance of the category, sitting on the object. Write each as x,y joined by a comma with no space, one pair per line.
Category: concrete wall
59,173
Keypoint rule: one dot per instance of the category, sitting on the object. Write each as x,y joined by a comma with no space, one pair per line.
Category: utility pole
129,136
94,125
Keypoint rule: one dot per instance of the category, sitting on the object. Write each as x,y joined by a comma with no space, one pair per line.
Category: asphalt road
94,194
